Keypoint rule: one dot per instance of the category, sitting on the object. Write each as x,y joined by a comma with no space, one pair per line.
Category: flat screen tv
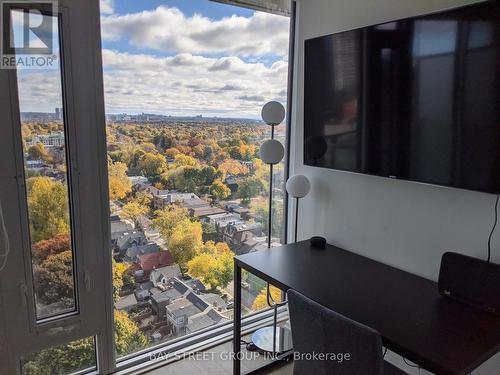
415,99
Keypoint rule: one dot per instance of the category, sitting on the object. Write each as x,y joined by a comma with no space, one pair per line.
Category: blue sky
207,8
182,58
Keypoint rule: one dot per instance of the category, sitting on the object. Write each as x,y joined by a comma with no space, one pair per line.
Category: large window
184,86
175,123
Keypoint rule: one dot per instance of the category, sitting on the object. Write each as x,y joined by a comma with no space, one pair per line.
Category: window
187,188
45,167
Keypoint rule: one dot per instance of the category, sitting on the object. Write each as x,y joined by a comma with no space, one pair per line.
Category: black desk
438,334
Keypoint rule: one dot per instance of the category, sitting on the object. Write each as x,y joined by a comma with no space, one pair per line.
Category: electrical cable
493,228
409,364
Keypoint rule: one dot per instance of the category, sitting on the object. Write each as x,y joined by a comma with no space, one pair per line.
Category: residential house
191,313
236,233
151,261
132,254
204,212
164,274
165,198
127,240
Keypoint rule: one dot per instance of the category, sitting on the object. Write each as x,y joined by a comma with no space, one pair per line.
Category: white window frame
86,147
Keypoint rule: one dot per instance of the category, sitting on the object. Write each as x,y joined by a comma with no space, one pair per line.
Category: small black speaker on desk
318,242
470,280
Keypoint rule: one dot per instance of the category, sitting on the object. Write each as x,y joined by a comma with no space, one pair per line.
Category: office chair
316,329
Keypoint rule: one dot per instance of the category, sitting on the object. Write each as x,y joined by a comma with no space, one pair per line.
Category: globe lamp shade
298,186
272,151
273,113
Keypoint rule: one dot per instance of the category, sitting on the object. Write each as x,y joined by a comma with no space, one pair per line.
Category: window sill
163,354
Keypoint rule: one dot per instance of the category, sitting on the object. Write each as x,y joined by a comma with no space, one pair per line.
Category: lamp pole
270,213
296,216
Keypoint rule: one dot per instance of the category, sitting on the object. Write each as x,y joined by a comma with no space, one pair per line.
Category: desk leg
237,319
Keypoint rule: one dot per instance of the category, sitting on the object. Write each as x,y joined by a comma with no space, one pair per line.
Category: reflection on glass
64,359
44,147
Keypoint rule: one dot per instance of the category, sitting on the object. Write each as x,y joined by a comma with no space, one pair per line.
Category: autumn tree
163,141
48,208
182,160
219,190
119,277
38,151
213,264
134,211
41,250
143,199
171,152
184,241
260,301
233,167
119,183
152,165
167,219
54,279
128,338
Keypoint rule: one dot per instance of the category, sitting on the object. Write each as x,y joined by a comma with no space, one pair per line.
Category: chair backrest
352,348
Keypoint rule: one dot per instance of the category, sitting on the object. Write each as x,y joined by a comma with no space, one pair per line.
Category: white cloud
187,84
107,6
168,29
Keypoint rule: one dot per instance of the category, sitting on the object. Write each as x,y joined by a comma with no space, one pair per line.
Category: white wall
404,224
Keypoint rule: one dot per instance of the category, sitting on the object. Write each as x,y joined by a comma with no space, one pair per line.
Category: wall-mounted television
415,99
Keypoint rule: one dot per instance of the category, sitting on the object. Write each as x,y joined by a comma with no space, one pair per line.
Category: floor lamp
298,186
272,151
272,339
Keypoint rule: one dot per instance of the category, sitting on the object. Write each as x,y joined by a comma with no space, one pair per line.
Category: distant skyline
182,58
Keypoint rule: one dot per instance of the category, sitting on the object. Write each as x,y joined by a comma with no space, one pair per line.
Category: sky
183,57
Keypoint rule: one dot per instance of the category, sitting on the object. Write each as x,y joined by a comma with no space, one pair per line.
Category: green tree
208,175
48,208
249,188
184,241
219,190
260,209
64,359
209,231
